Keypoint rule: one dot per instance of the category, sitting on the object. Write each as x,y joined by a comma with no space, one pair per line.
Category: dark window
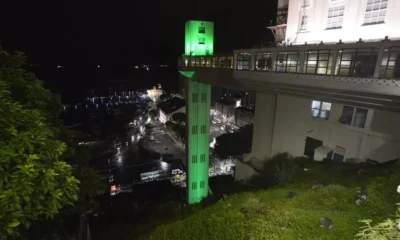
201,184
194,159
354,116
263,61
194,185
202,29
347,115
203,97
356,62
243,61
338,156
194,97
202,157
194,129
202,40
287,61
203,129
318,62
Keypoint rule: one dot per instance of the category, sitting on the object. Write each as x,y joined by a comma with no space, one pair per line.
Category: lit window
243,61
303,23
375,11
287,61
354,116
390,66
320,109
318,62
305,3
263,61
335,17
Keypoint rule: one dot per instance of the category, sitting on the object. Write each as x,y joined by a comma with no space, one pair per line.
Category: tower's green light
199,41
198,35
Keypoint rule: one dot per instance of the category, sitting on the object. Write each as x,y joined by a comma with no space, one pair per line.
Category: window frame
303,27
337,16
391,67
286,57
243,61
355,53
353,116
263,55
305,6
320,110
320,53
378,11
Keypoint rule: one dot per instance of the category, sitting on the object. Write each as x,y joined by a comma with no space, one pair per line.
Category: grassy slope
271,215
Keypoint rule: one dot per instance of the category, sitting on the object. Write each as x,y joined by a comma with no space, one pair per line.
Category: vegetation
234,144
34,181
388,229
272,214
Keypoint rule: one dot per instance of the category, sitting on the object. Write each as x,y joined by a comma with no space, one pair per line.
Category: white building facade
331,92
313,21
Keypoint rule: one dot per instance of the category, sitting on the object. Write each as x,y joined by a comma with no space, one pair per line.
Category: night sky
82,34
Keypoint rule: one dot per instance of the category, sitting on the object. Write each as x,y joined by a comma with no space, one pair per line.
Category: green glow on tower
197,147
199,38
199,41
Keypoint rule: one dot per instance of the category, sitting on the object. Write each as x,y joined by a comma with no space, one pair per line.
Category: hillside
272,214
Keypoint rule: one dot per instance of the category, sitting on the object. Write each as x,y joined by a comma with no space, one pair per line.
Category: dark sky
125,32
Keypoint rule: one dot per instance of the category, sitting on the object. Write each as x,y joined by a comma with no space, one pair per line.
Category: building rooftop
171,105
246,109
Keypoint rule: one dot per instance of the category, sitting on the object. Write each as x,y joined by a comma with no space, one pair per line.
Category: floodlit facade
313,21
330,89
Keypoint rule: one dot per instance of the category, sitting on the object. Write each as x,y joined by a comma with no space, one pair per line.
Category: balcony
367,73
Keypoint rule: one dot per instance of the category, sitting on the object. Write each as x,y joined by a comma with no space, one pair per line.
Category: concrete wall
352,28
263,129
167,117
293,123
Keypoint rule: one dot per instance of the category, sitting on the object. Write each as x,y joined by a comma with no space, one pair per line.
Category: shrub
387,229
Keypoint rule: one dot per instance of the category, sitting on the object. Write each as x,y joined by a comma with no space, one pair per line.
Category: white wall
352,28
165,118
293,123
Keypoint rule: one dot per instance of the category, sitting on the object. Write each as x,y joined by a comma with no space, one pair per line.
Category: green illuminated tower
199,41
199,38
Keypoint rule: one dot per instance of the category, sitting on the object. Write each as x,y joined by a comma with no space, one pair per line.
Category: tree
179,117
34,181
